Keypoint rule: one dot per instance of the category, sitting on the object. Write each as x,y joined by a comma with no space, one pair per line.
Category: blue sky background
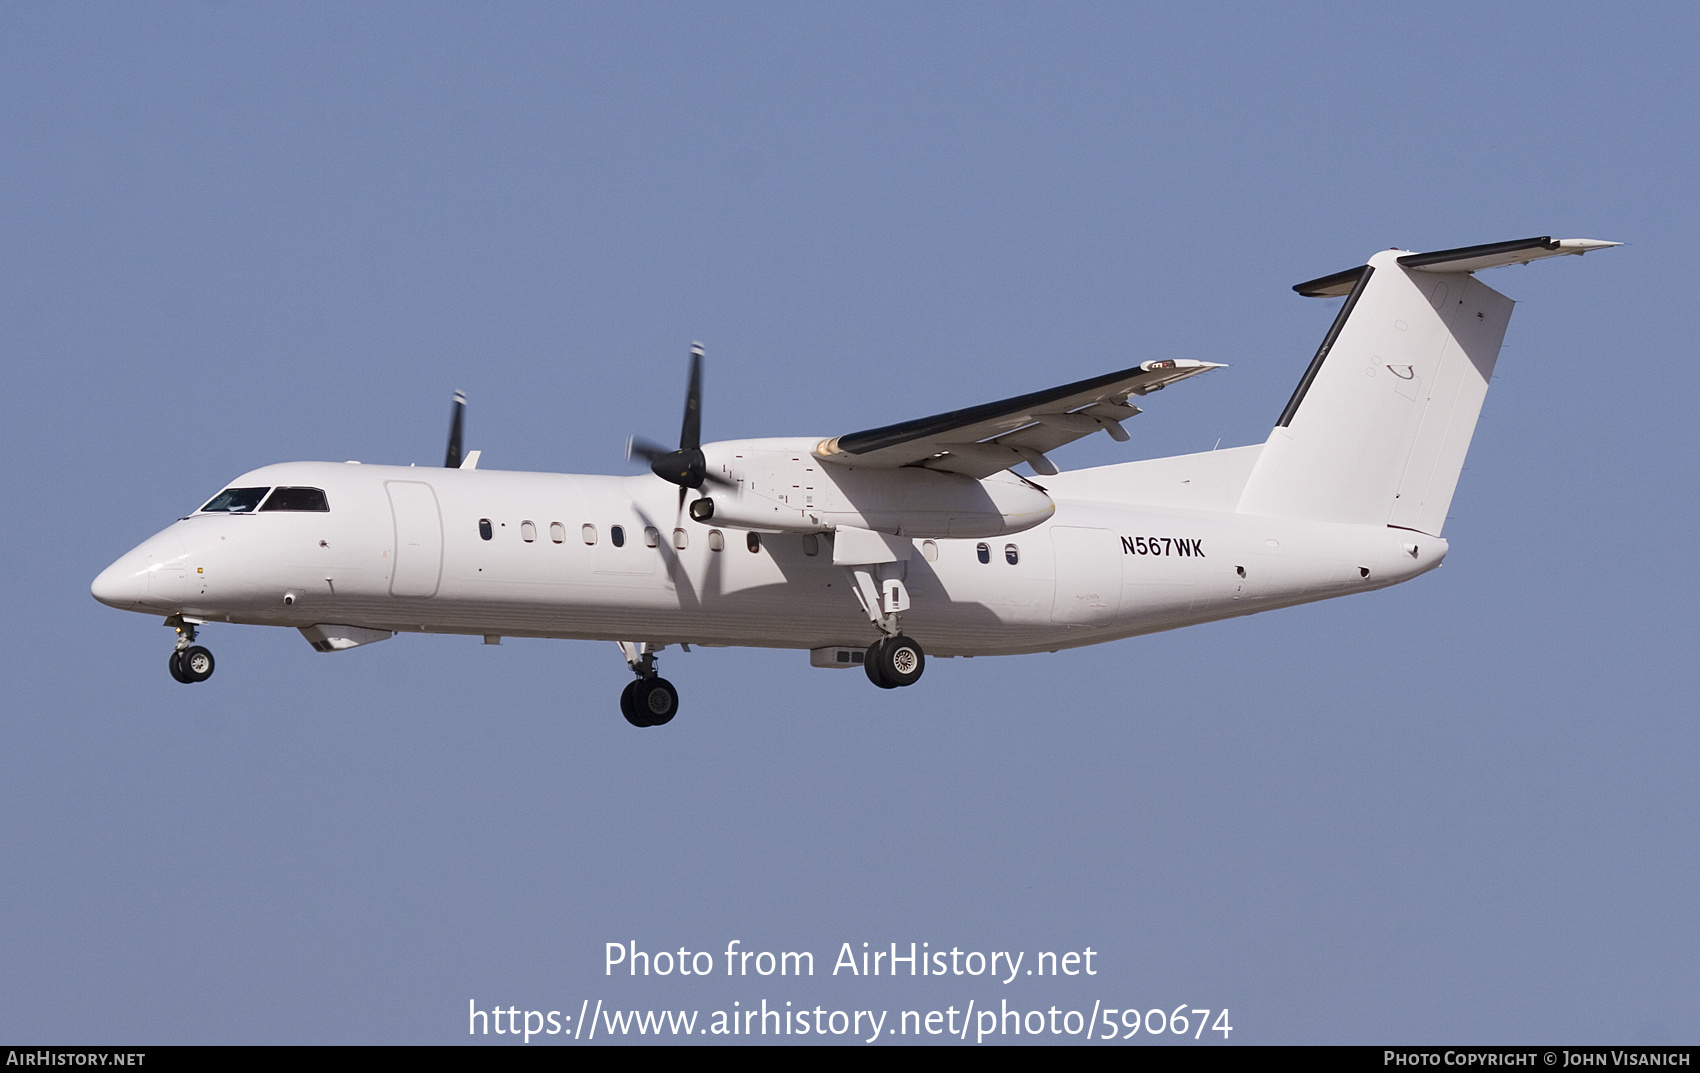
1461,810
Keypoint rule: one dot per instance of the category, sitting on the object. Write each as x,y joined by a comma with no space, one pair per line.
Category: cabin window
681,539
651,537
1011,554
557,532
302,499
528,531
811,544
588,532
617,535
716,540
484,529
752,541
930,551
983,552
235,501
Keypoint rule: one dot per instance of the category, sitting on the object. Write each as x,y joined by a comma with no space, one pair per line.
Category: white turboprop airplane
859,547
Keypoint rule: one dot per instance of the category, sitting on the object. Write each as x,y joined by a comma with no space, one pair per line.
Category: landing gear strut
189,663
651,700
894,660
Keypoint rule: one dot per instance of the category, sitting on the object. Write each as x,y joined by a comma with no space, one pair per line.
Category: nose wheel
192,664
650,700
189,663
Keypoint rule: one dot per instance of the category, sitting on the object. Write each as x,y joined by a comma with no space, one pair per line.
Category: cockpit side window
235,501
309,499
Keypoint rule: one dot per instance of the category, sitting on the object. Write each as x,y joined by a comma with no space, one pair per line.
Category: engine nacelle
783,488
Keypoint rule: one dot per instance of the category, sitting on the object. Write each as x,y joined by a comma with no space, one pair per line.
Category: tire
628,707
871,663
656,700
901,661
196,663
175,665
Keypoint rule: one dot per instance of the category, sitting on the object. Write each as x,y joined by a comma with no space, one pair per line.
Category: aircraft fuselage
402,549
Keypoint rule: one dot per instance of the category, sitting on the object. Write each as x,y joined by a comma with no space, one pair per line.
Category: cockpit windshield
297,499
235,501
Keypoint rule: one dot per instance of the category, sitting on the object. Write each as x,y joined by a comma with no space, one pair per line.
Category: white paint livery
872,544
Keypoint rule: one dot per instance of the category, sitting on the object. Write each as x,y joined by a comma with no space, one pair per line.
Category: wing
981,440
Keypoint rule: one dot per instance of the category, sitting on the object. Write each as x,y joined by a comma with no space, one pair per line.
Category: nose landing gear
192,664
189,663
651,700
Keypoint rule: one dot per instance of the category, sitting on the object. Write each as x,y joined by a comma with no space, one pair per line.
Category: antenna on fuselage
457,423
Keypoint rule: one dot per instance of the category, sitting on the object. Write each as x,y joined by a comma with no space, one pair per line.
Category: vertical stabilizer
1377,429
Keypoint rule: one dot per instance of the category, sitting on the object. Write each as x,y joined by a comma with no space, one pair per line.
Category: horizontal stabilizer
1463,259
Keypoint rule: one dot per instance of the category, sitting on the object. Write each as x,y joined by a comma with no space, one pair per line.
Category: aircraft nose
124,583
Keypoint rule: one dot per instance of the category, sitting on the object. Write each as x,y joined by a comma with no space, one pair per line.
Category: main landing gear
189,663
651,700
894,660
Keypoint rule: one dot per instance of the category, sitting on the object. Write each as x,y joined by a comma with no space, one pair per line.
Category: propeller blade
687,467
649,452
690,433
456,423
